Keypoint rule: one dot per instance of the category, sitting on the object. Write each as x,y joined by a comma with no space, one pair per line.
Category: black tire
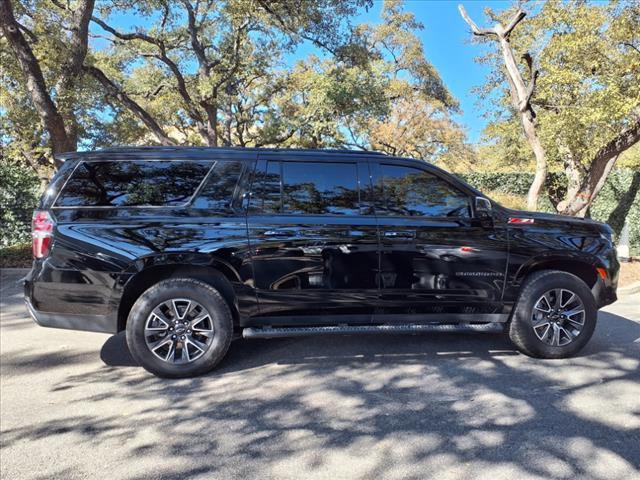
186,288
520,326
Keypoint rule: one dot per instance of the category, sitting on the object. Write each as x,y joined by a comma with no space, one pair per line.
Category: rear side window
266,196
406,191
133,183
217,193
308,188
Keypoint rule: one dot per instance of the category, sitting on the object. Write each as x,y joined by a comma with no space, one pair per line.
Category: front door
434,256
313,240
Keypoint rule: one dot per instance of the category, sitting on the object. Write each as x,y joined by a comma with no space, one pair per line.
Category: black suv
188,248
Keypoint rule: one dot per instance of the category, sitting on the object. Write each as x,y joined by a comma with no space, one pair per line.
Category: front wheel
555,315
179,327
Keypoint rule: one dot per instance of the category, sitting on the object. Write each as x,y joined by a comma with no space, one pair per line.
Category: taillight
41,233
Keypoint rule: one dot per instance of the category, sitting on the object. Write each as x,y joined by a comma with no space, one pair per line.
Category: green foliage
588,89
19,193
619,198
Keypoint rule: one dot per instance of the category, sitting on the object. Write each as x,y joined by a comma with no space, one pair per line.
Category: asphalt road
448,406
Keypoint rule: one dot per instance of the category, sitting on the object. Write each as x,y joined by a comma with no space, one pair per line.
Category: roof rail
124,149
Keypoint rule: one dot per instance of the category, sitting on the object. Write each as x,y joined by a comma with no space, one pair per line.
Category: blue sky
446,40
447,44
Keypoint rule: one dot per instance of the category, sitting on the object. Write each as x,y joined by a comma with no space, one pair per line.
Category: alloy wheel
558,317
179,331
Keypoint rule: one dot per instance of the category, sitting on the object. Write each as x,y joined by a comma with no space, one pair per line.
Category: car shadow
402,348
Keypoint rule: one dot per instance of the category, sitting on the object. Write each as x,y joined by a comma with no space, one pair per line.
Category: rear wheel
555,315
179,327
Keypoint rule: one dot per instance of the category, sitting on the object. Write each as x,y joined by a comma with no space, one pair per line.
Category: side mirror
483,208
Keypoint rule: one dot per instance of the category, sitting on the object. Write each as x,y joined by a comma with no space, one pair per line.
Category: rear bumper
69,321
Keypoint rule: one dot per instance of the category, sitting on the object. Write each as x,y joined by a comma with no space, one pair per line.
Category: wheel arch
217,274
583,268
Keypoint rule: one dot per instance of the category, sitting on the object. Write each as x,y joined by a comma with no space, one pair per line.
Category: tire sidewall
521,327
189,289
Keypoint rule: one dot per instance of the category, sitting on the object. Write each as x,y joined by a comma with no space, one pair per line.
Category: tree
416,118
521,94
587,95
201,72
57,116
234,46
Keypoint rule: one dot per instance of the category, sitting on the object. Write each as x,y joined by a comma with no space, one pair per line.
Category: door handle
278,233
404,234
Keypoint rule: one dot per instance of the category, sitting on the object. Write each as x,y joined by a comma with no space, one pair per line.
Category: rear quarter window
133,183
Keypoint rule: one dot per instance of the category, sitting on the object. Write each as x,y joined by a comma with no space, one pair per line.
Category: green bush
618,200
19,193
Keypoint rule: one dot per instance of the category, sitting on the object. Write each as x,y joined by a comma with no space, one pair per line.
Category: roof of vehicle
124,153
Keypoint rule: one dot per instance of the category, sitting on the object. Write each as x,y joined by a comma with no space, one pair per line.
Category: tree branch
525,103
628,44
126,36
203,64
113,90
515,20
620,143
480,32
190,107
266,5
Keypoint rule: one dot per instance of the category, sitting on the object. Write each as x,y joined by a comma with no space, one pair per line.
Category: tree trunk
541,162
66,93
48,112
599,170
520,96
211,132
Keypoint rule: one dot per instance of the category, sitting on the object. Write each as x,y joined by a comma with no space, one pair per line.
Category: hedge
19,193
618,200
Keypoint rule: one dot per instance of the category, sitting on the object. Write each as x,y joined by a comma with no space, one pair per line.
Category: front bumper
603,294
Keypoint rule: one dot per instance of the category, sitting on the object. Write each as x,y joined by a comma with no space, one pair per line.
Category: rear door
313,238
434,256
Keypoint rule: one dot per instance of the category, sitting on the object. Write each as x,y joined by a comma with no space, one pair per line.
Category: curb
630,290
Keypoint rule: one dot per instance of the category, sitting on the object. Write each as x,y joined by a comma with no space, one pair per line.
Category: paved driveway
445,406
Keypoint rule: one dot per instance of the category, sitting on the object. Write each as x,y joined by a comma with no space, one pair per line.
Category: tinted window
320,188
135,183
217,193
265,195
412,192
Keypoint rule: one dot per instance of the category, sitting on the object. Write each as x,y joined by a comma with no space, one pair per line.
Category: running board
270,332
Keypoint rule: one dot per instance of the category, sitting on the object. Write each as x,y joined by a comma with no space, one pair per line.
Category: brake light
41,233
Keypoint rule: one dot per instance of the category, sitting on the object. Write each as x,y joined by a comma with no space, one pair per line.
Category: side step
270,332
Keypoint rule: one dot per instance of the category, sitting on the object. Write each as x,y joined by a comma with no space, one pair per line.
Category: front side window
406,191
133,183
